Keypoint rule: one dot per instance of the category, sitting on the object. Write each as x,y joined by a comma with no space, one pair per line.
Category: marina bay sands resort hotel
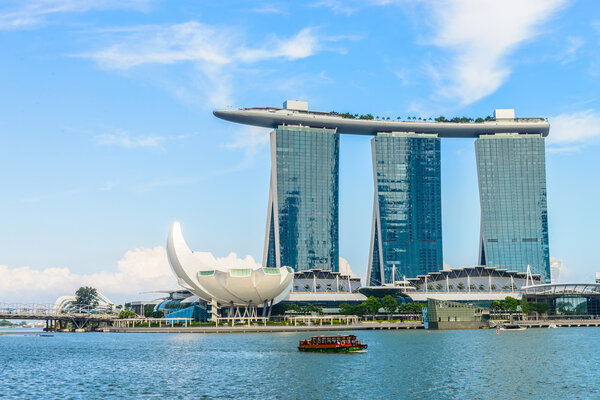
406,238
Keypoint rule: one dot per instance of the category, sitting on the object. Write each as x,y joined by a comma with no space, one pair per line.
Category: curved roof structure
272,117
199,273
560,289
65,304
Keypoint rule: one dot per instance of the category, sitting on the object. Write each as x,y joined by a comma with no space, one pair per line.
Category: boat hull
336,349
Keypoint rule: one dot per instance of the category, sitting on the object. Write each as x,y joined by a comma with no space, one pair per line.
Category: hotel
406,239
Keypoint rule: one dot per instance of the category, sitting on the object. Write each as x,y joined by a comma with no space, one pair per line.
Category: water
475,364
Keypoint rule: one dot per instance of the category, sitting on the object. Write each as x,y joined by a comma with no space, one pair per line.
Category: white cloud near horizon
30,13
479,36
139,270
570,131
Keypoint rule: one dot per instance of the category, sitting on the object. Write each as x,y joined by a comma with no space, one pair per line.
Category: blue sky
107,133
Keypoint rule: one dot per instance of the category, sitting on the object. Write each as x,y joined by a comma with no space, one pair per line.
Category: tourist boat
513,327
332,344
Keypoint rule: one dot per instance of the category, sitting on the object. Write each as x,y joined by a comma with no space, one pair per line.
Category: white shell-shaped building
227,286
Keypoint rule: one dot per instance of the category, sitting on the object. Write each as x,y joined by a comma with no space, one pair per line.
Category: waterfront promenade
360,326
259,328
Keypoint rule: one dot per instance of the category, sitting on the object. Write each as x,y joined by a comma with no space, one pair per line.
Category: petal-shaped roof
205,279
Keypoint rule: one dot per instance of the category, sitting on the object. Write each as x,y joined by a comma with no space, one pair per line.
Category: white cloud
304,44
190,41
26,14
344,267
216,53
574,43
268,9
569,131
337,6
251,139
125,139
140,270
479,35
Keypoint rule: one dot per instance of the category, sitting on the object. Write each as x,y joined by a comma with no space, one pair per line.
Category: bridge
80,317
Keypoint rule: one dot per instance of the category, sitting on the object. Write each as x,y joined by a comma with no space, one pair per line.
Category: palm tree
461,286
439,287
481,287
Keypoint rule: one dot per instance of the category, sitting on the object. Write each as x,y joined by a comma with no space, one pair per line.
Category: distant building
478,284
512,190
407,212
324,288
452,315
567,299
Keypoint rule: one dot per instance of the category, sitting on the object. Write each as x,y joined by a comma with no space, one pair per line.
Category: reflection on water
476,364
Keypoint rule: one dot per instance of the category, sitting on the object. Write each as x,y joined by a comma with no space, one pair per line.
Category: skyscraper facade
406,238
302,219
512,191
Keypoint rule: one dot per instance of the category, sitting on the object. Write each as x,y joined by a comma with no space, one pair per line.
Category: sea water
470,364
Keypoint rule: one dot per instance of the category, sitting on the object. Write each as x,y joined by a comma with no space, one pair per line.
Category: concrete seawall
272,328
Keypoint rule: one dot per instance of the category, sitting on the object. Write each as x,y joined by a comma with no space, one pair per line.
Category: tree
389,304
411,308
481,287
460,286
373,305
148,310
439,287
541,308
126,314
86,296
510,304
349,309
346,309
526,307
127,306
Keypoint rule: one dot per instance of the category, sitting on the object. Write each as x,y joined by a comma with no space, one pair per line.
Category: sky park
301,284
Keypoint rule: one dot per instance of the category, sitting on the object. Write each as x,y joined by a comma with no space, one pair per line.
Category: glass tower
512,191
407,212
302,218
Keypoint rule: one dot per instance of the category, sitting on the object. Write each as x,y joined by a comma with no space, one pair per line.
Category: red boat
332,344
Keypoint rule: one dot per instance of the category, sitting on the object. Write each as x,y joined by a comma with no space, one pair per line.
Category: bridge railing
27,308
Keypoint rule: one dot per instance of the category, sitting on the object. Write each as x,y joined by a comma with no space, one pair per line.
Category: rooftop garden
441,118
